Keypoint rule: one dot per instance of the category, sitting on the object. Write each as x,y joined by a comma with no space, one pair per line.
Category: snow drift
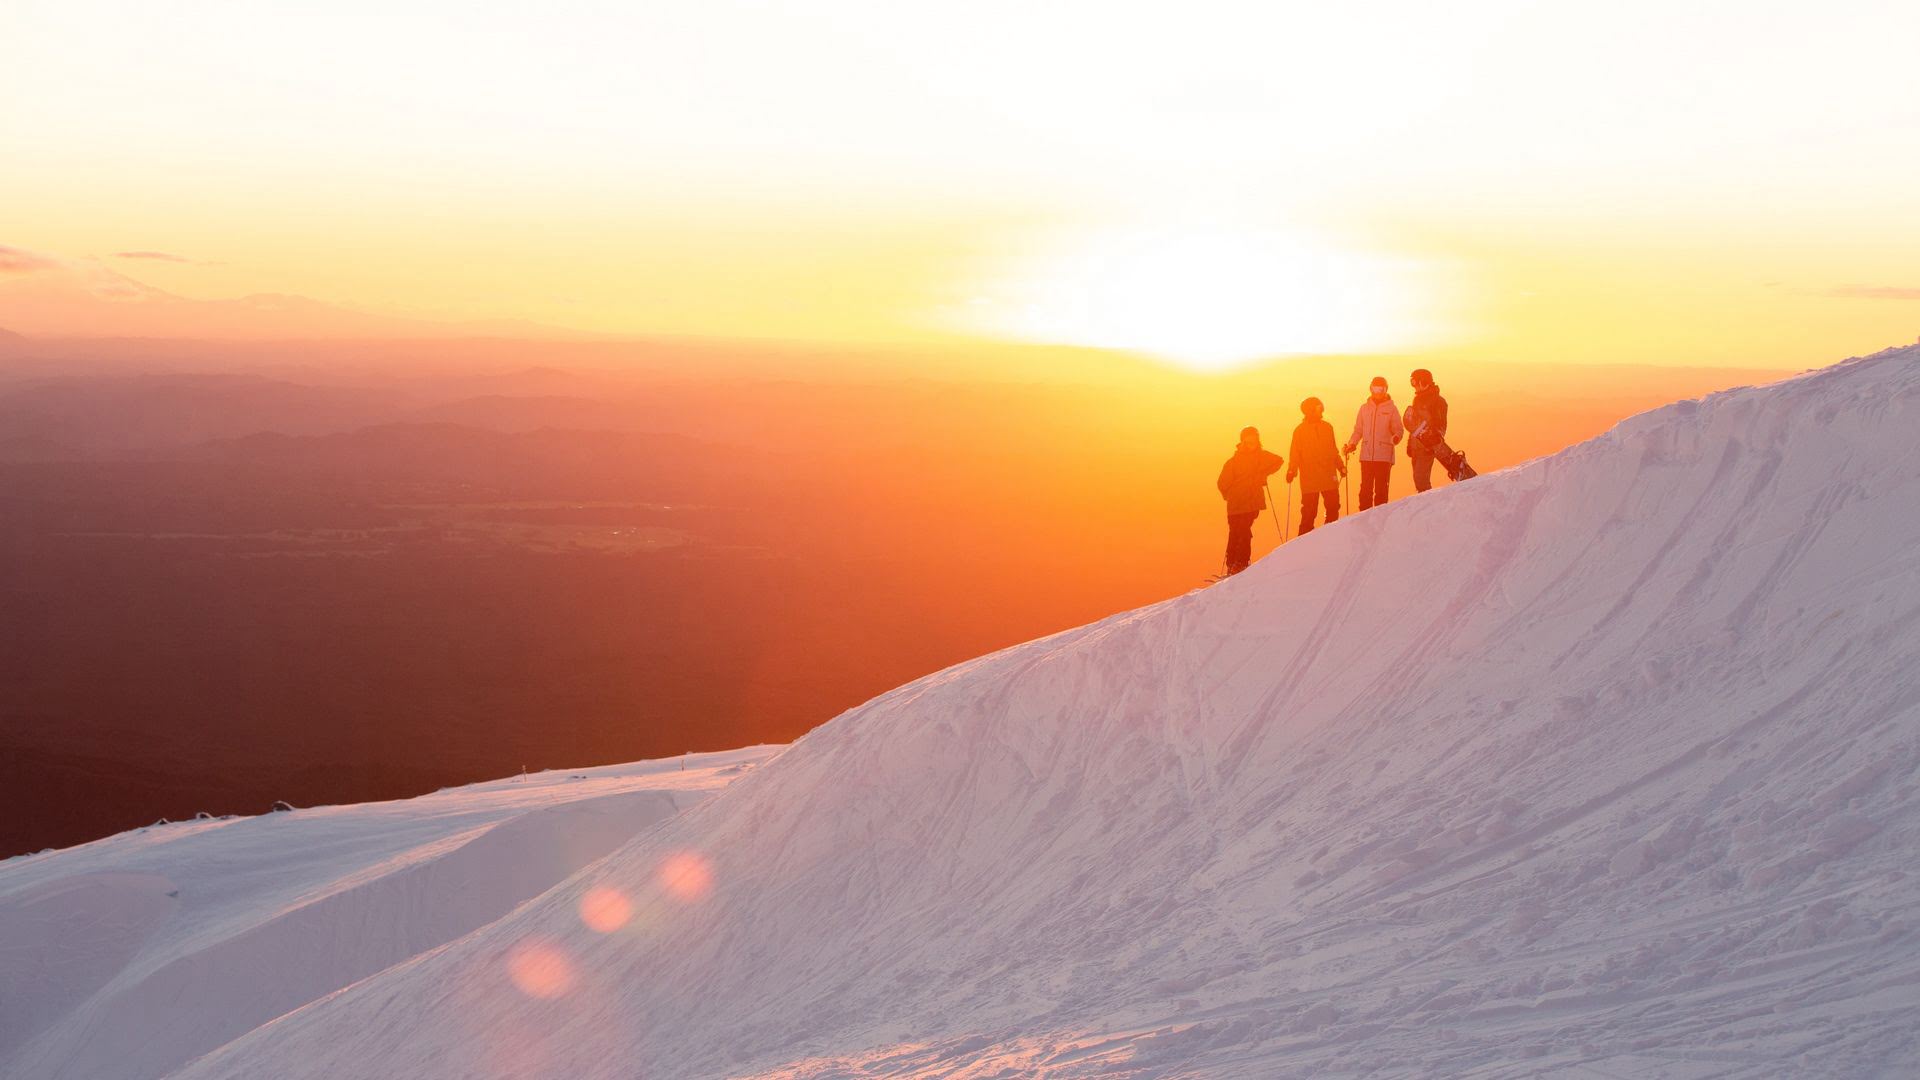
1608,759
132,955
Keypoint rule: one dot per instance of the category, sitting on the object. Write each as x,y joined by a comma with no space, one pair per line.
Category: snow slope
132,955
1604,765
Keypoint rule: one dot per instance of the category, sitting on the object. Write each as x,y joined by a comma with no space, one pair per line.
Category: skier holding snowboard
1316,461
1376,431
1427,435
1243,483
1426,422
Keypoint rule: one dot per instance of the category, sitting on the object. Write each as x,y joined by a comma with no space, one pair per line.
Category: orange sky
1718,183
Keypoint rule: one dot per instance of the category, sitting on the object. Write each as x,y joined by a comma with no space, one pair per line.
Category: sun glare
1210,298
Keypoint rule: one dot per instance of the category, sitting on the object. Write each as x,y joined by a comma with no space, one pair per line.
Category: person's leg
1366,486
1239,541
1422,471
1309,506
1381,481
1333,505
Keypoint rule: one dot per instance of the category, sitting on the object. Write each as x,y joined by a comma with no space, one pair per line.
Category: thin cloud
115,287
1875,292
156,256
15,260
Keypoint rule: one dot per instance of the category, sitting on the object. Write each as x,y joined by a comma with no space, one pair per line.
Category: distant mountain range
87,299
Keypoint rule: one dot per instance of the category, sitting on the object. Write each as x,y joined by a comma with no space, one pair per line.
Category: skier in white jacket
1376,431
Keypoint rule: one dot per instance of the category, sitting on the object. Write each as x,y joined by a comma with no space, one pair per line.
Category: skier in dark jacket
1243,483
1316,460
1428,411
1376,431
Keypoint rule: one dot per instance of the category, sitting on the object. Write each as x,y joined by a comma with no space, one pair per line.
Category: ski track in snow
1604,765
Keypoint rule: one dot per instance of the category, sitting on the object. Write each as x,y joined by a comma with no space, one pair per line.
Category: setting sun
1209,297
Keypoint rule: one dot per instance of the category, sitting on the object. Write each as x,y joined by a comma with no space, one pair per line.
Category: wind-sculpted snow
131,956
1601,765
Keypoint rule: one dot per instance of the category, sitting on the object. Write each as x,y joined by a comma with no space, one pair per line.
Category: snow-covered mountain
1607,764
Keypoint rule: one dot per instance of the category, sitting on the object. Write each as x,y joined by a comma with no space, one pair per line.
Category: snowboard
1450,459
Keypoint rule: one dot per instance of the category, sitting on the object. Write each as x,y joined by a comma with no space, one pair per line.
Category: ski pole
1276,511
1283,528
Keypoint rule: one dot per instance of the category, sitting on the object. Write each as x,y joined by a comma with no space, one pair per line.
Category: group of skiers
1319,464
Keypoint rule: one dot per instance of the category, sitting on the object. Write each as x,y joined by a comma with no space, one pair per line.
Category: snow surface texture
130,956
1604,765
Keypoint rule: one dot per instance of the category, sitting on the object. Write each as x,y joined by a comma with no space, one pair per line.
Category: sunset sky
1700,183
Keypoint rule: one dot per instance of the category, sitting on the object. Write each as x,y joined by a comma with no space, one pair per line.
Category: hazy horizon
332,571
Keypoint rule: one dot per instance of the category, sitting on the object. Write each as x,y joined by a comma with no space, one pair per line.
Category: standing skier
1316,460
1426,424
1243,483
1376,431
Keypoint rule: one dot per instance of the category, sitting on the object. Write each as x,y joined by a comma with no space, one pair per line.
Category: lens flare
686,876
540,970
605,909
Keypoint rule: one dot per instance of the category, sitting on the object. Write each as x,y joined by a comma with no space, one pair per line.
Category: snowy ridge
1601,765
132,955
